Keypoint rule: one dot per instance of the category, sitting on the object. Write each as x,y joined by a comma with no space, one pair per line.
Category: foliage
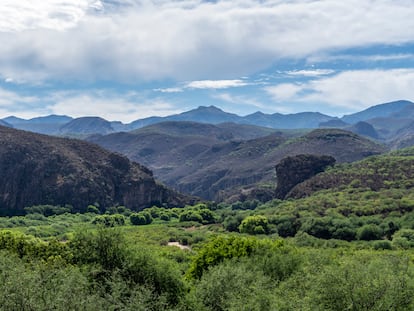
141,218
233,286
26,246
220,248
109,220
48,210
254,225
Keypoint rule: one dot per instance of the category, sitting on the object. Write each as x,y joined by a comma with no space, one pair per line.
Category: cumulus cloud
215,84
239,101
23,15
185,40
169,90
349,90
113,107
310,73
12,103
106,104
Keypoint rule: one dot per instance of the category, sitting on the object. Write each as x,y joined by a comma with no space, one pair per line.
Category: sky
127,60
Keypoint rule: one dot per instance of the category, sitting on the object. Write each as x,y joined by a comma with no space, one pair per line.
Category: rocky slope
294,170
217,169
39,169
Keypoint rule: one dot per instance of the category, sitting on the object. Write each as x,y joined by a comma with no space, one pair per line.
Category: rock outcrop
293,170
38,169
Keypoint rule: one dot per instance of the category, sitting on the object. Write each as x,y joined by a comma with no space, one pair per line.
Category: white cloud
215,84
170,90
350,90
284,91
49,14
25,106
185,40
364,58
240,100
111,107
311,73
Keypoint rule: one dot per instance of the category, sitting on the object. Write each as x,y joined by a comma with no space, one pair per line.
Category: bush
232,223
141,218
234,286
191,215
369,232
257,224
48,210
226,247
92,209
109,220
384,244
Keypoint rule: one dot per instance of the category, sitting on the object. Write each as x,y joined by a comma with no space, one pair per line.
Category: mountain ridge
379,117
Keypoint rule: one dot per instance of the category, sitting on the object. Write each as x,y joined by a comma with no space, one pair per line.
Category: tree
257,224
142,218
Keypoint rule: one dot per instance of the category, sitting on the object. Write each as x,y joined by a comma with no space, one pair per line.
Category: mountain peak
378,111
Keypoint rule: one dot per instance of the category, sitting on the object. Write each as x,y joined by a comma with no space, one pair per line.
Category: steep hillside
39,169
167,146
215,166
252,162
368,200
393,170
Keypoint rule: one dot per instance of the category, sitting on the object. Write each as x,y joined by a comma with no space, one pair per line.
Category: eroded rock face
38,169
293,170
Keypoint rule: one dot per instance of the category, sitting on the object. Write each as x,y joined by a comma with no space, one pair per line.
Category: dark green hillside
391,171
369,200
38,169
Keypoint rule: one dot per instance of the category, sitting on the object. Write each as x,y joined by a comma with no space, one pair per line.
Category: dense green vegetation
346,246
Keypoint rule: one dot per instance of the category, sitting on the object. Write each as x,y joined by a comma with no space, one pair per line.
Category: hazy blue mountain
398,113
86,126
379,111
4,123
202,114
12,120
287,121
144,122
214,115
364,129
333,123
44,125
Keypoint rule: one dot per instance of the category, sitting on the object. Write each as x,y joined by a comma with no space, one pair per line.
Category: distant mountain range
399,113
210,153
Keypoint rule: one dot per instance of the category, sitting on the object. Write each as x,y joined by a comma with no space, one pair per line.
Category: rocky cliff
294,170
39,169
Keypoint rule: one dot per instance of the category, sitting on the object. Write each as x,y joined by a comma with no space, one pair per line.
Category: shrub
233,286
226,247
257,224
141,218
191,215
369,232
92,209
109,220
